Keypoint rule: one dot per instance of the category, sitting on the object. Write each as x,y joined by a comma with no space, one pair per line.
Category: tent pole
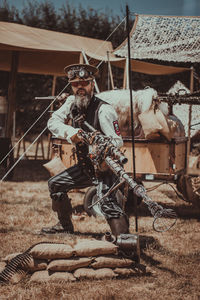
110,71
81,58
190,114
131,106
87,62
53,91
125,76
127,73
12,93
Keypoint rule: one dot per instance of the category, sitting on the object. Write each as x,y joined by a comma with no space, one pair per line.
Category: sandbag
110,262
2,266
35,264
125,272
55,166
88,273
17,276
94,248
68,264
51,251
10,256
45,276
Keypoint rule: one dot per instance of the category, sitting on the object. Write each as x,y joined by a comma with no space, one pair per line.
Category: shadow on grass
29,170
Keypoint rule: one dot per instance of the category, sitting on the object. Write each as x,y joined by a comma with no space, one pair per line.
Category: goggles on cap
82,83
79,72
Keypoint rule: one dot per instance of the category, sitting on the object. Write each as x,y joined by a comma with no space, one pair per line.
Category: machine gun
103,151
181,97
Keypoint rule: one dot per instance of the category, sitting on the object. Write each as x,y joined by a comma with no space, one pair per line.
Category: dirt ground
172,258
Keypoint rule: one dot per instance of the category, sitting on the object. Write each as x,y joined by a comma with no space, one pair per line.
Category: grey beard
82,102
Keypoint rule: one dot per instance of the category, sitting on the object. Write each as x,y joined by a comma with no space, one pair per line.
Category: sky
118,7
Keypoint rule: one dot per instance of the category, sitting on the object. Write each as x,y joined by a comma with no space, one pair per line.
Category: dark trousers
75,178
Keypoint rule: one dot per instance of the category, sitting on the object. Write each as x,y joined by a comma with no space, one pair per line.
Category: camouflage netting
164,38
56,262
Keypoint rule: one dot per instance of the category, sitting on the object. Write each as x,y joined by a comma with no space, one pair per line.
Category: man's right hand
76,138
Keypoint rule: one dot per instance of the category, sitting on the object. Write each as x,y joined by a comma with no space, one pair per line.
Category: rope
165,182
34,123
108,38
23,154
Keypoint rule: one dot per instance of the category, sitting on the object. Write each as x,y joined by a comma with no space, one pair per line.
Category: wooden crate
153,159
161,159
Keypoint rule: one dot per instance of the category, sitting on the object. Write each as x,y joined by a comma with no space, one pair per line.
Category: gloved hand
77,138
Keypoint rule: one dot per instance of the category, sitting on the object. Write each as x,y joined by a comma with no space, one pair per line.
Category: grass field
172,258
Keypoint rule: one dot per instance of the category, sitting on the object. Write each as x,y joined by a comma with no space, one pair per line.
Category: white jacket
108,121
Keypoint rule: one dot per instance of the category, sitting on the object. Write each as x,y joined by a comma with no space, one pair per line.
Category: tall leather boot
119,225
64,210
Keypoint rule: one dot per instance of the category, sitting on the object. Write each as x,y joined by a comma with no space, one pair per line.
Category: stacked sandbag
87,259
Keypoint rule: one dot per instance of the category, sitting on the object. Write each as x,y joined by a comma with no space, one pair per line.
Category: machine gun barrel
179,99
45,98
159,213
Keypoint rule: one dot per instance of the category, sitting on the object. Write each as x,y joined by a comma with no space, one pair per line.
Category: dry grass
172,258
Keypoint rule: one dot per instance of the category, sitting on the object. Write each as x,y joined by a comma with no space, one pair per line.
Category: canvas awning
46,52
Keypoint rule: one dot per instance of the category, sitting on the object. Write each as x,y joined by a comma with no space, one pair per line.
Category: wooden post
12,93
53,90
81,61
125,75
101,80
190,115
110,71
87,62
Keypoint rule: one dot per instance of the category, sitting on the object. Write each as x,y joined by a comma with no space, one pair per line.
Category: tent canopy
48,52
44,51
164,38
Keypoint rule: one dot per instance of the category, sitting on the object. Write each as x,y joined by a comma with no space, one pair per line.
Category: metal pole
131,106
190,116
87,62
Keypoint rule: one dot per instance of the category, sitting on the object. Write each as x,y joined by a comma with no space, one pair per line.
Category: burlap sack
61,276
125,272
10,256
17,277
2,266
88,273
94,248
55,166
149,122
68,264
51,251
111,262
40,276
44,276
35,264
